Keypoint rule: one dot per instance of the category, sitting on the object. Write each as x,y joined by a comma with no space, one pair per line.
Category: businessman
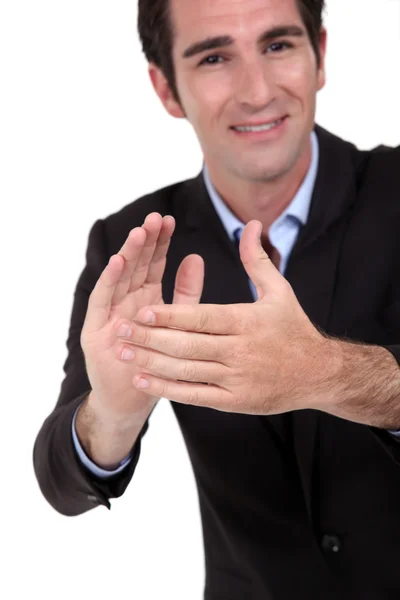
279,340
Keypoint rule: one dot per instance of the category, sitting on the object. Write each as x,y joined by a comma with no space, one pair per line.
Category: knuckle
202,321
164,389
188,349
223,376
168,320
252,321
146,359
146,336
241,354
223,351
193,398
239,319
246,349
189,371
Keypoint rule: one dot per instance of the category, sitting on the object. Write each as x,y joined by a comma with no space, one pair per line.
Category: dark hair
156,32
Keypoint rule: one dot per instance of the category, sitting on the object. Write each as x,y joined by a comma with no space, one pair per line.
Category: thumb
256,261
189,280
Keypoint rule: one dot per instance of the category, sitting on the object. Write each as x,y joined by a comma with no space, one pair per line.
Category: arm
371,392
113,419
107,446
88,463
64,481
365,387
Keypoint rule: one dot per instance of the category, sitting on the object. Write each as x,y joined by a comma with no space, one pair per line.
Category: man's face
263,73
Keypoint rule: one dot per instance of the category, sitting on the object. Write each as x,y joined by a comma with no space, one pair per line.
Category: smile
256,128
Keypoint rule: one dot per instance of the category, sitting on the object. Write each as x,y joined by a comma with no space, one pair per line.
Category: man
285,380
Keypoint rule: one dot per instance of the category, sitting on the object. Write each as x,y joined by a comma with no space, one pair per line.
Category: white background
82,134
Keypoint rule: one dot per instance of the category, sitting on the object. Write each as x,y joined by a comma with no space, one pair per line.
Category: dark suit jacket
302,505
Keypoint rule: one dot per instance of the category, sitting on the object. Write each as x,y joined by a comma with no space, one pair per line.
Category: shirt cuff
89,464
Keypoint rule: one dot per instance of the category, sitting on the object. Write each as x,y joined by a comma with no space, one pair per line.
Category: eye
277,47
213,59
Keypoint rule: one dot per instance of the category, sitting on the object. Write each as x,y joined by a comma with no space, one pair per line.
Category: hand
131,280
261,358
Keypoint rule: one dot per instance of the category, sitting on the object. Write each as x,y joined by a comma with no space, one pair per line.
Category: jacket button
92,498
331,543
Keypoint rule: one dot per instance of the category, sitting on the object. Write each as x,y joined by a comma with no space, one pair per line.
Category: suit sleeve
69,487
388,161
391,442
89,464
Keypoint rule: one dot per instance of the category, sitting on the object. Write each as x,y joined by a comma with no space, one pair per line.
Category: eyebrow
226,40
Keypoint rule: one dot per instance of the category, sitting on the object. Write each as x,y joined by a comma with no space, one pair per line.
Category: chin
263,173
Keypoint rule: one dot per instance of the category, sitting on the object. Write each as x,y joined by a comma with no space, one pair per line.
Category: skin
112,415
261,358
241,83
266,357
244,363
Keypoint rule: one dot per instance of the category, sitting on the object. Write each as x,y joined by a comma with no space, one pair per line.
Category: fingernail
124,331
127,354
142,383
148,317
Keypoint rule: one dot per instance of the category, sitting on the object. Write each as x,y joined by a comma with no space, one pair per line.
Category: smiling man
285,378
246,76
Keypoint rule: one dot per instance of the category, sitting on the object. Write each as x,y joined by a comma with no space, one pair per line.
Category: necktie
272,252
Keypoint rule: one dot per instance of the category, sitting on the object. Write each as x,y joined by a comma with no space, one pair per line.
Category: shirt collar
298,209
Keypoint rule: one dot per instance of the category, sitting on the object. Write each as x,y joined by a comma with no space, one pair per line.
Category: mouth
259,127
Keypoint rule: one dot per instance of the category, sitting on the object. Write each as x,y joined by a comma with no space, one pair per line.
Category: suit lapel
312,272
311,268
226,281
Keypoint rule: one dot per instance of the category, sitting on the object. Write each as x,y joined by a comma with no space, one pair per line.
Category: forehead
237,18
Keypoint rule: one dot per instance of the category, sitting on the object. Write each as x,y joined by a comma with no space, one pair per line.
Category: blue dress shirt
282,234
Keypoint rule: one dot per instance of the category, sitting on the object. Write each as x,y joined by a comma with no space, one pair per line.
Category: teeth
259,127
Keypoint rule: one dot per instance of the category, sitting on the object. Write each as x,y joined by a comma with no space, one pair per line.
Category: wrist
105,438
113,422
328,369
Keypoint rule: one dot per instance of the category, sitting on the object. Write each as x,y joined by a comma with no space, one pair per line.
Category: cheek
299,80
205,96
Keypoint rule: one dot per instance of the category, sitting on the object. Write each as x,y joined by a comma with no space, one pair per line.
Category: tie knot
237,234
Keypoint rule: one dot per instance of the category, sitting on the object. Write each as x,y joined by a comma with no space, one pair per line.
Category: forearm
107,441
364,386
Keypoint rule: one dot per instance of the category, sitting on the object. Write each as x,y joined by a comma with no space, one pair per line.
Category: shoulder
170,200
376,171
162,200
386,156
381,176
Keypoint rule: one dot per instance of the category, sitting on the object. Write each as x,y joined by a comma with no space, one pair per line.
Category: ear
164,92
323,36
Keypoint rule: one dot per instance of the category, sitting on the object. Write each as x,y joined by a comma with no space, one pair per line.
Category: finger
186,393
100,300
258,265
152,225
158,261
161,365
176,343
130,251
189,280
207,318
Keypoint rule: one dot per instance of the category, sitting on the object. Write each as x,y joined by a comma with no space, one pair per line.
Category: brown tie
272,252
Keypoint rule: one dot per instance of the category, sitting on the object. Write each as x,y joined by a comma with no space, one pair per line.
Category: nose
254,88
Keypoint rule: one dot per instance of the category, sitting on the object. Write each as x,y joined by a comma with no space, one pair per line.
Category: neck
264,201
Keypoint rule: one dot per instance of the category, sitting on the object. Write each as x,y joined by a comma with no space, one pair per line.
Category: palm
124,287
129,306
108,365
